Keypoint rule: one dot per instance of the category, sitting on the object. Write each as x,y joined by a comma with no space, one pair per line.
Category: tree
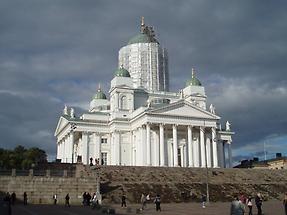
21,158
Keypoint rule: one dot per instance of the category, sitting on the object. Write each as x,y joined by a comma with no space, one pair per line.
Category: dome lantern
146,35
193,81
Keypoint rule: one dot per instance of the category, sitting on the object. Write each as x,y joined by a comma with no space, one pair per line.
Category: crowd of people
240,205
244,205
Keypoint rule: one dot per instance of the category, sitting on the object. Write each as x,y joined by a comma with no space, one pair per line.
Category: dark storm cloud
56,52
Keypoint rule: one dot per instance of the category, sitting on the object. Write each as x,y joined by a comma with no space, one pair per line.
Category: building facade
142,123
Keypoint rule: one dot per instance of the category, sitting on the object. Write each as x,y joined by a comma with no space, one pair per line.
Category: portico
179,146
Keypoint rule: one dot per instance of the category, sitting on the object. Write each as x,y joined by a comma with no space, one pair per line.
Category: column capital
202,128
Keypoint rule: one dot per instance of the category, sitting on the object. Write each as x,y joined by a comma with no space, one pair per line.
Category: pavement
271,207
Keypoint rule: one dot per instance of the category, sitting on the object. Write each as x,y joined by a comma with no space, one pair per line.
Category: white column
156,148
85,148
220,154
214,147
190,147
161,144
112,145
110,140
133,148
72,140
117,146
208,151
181,156
195,146
175,146
223,153
64,150
202,146
148,146
97,139
143,145
139,152
229,154
59,149
185,153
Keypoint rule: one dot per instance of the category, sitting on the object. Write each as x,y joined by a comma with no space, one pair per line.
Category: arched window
124,103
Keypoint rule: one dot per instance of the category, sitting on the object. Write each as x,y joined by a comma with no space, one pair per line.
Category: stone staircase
188,184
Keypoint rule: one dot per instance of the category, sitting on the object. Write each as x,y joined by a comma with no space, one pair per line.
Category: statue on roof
72,113
212,109
65,111
227,126
181,94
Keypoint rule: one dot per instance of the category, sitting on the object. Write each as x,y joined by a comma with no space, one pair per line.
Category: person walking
143,201
25,196
7,199
13,198
157,202
203,200
67,200
237,207
285,203
95,201
124,203
88,199
258,202
55,199
84,198
249,205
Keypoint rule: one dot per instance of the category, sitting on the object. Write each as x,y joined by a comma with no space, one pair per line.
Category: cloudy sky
56,52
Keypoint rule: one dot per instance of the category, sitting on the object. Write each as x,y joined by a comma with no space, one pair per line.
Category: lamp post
206,166
72,128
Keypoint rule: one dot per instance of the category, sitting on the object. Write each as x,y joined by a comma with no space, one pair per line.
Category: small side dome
100,94
122,72
193,81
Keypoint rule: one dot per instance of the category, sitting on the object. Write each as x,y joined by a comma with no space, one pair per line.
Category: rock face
173,184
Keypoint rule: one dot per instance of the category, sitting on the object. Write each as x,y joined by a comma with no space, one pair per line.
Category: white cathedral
142,123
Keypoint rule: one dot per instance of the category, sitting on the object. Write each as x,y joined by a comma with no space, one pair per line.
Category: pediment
184,109
61,124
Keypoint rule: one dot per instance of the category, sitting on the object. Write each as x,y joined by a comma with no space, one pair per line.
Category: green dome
100,95
142,38
193,81
122,72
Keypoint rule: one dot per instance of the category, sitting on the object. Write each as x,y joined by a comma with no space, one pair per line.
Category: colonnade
65,148
200,148
153,145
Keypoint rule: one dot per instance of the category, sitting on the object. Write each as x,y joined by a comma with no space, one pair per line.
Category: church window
124,103
104,140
